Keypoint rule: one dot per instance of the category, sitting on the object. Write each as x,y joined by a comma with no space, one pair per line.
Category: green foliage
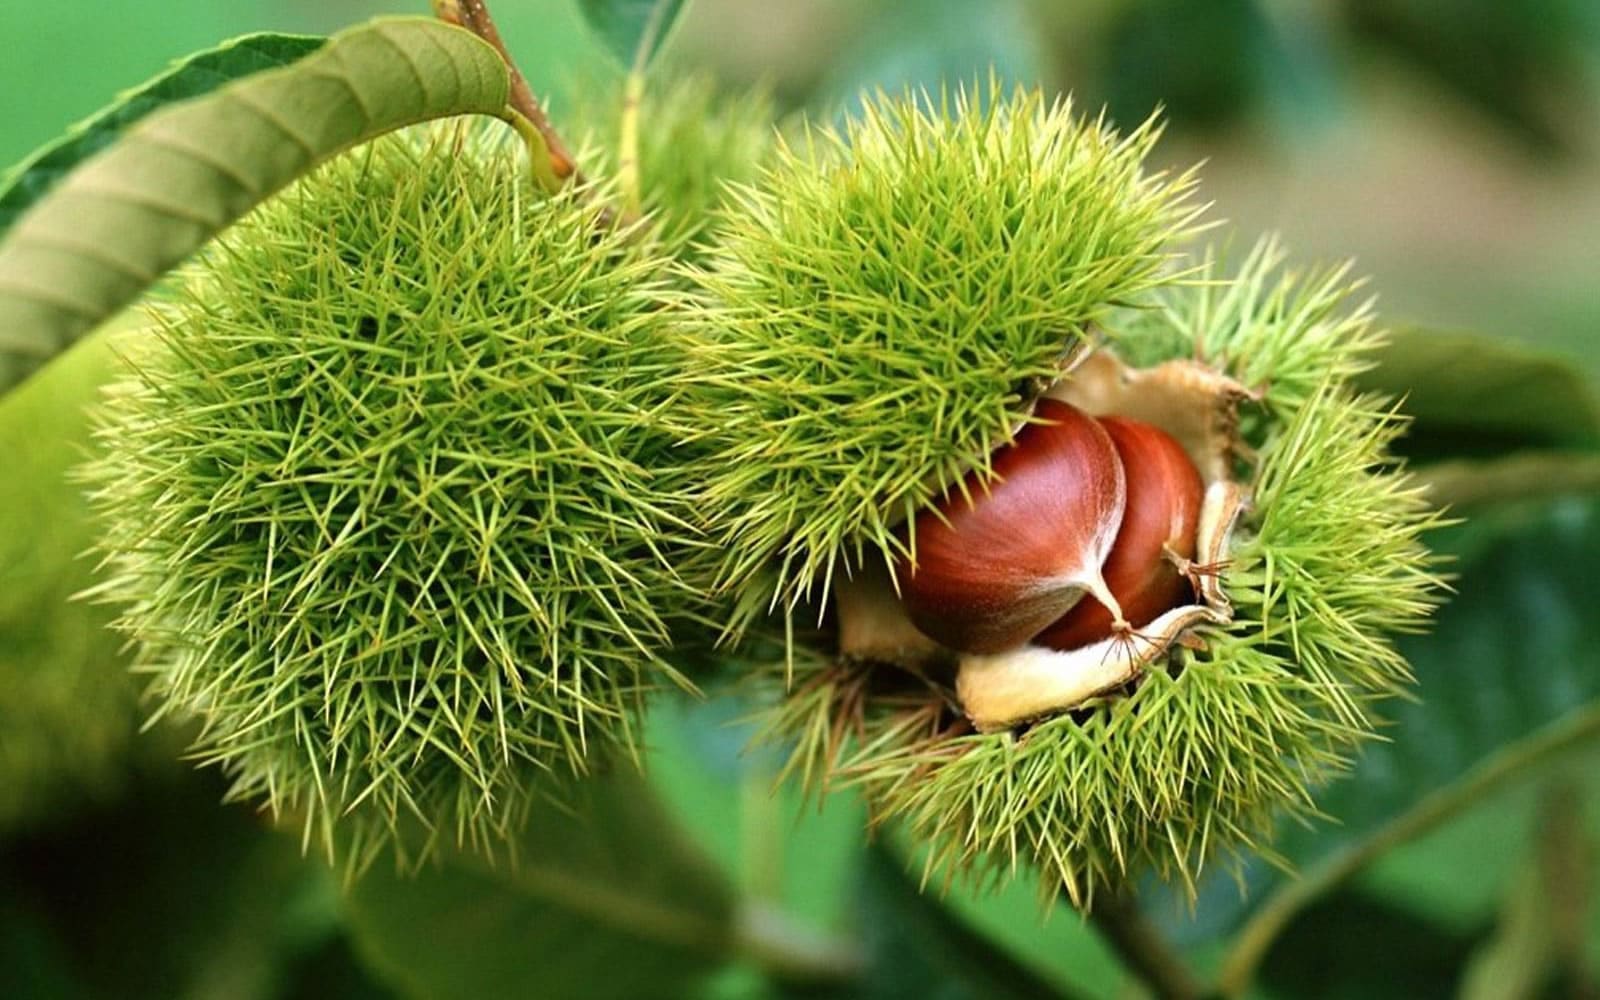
615,877
1324,570
694,141
633,30
195,76
1204,63
1490,837
67,712
774,844
1482,719
1472,485
1540,932
1223,65
882,304
1352,946
610,877
1526,67
1210,65
927,44
1472,395
407,497
113,227
389,501
913,946
919,949
163,894
1490,421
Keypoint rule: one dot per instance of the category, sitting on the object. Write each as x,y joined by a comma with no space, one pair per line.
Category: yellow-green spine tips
885,301
1203,748
391,502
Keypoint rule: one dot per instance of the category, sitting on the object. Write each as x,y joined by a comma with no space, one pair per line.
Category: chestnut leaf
194,76
1473,395
115,225
606,899
632,30
918,947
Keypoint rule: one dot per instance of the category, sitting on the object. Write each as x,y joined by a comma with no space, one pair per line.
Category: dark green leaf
1464,484
775,842
1507,681
1475,396
1493,842
199,74
1541,927
1063,947
1353,947
917,949
164,894
1209,65
1521,66
125,217
936,43
606,899
632,30
813,860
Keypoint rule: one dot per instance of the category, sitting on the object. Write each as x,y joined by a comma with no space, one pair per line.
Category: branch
1526,475
632,97
1256,938
474,16
1142,948
628,144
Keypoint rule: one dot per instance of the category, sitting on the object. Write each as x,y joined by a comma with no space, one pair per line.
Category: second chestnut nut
1082,532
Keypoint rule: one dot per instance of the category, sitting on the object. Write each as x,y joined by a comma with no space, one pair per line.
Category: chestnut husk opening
1012,689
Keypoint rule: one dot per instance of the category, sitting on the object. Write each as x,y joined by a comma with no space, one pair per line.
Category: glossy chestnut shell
1001,558
1159,524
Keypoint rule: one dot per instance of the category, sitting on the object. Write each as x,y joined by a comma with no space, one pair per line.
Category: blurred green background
1452,147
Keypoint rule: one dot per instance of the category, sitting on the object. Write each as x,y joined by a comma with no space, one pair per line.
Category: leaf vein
343,78
411,64
141,198
271,116
56,241
450,60
47,297
173,144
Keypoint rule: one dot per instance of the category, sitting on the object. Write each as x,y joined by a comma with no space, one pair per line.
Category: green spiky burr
883,306
1208,753
391,503
883,313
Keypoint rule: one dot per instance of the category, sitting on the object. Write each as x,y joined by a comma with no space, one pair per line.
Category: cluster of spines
1283,331
391,503
1206,756
881,307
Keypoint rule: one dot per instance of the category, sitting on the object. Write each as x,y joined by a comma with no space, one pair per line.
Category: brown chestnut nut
1157,535
998,560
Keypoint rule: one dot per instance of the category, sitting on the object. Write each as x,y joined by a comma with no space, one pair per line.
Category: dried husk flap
1199,407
